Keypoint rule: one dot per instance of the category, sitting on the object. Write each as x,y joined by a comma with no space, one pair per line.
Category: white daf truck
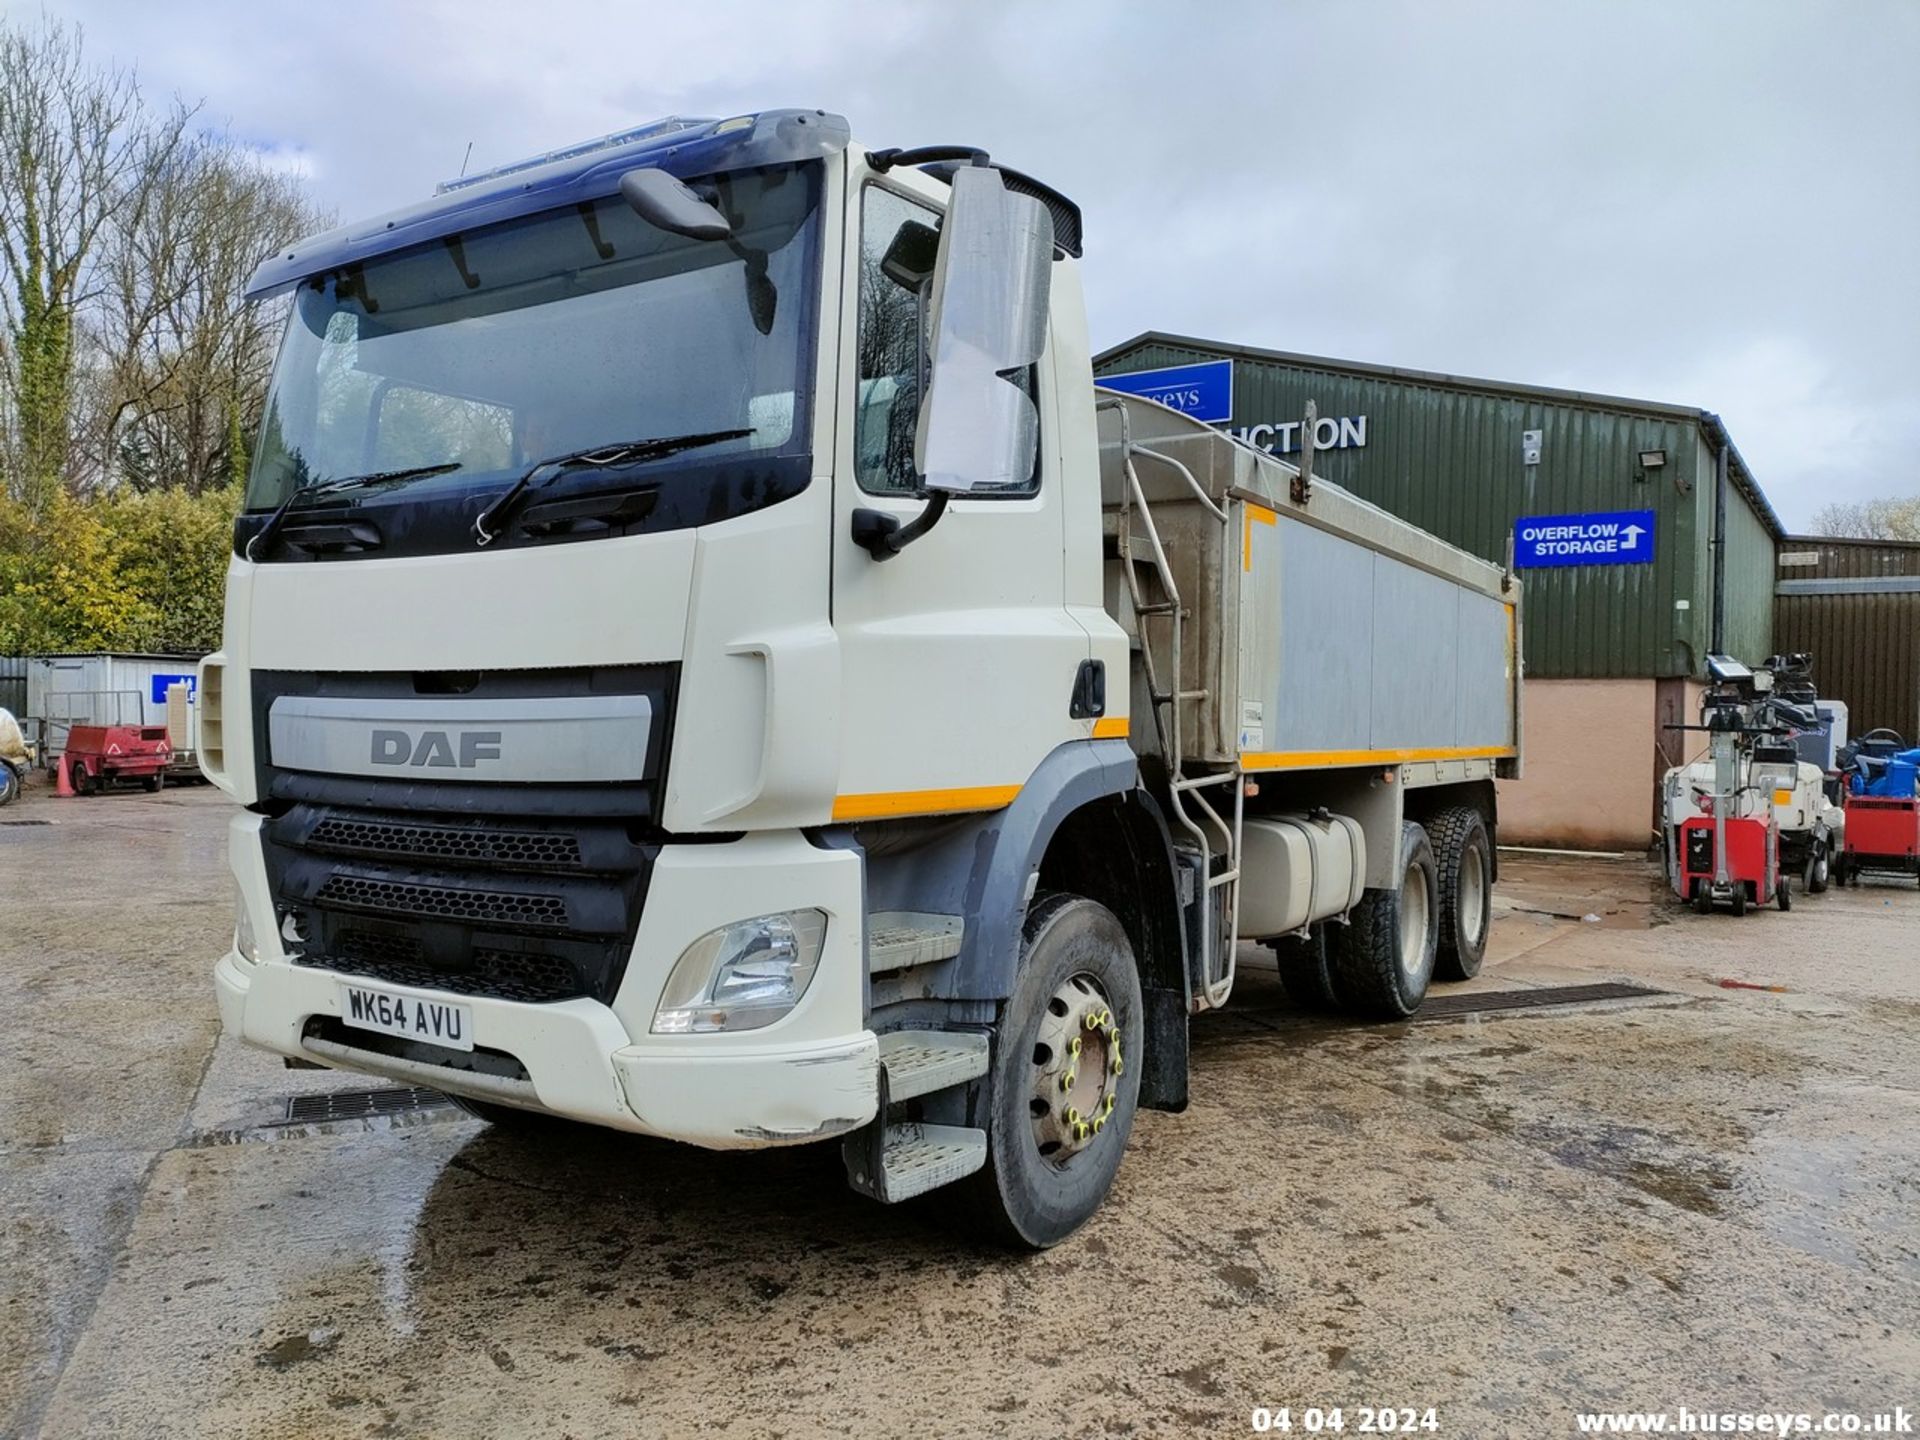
702,658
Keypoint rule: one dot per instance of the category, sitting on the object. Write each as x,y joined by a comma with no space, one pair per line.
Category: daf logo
438,749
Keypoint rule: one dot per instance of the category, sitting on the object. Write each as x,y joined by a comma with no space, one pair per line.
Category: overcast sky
1713,204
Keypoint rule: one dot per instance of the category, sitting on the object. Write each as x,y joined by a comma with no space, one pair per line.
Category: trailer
790,704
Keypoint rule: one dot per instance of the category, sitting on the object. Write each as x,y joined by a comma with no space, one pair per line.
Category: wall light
1653,459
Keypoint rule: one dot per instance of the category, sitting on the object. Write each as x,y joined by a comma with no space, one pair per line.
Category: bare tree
76,150
1888,518
184,358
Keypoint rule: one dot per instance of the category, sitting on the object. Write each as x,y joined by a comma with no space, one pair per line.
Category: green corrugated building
1613,650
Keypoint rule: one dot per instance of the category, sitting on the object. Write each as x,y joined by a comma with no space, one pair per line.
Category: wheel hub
1076,1069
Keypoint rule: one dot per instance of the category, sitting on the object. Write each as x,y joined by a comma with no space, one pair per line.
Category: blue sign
1621,537
161,682
1203,391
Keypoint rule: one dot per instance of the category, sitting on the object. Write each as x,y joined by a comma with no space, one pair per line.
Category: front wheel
1383,957
83,780
1783,897
1065,1079
9,784
154,783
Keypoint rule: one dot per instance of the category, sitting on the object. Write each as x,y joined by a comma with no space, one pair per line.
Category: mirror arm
883,536
885,160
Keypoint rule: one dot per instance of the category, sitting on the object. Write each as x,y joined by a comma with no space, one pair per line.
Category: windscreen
497,348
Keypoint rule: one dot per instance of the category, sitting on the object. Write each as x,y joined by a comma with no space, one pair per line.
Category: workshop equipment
1728,848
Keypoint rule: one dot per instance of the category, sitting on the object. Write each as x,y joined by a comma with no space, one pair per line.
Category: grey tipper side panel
980,870
1347,648
1316,626
548,739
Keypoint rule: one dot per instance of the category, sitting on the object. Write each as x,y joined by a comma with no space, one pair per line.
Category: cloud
1709,204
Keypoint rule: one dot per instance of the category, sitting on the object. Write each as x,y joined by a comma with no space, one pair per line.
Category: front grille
477,907
532,908
459,844
498,974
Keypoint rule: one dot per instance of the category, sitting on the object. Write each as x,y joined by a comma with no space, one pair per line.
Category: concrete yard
1708,1198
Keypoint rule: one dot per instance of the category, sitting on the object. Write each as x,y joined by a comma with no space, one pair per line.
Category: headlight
243,937
743,975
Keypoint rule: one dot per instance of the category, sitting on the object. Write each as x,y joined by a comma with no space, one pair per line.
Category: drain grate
330,1105
26,822
1440,1007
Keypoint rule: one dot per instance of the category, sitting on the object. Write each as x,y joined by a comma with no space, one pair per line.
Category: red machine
99,755
1752,870
1882,834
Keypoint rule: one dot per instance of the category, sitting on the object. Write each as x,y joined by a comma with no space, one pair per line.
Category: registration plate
412,1017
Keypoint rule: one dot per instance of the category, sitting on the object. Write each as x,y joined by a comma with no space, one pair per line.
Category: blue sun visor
590,171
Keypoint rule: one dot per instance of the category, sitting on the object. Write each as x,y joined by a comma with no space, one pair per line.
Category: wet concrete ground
1709,1198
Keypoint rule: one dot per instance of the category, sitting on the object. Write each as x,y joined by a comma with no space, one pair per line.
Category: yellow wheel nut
1073,1116
1110,1100
1117,1066
1099,1124
1105,1021
1075,1047
1066,1080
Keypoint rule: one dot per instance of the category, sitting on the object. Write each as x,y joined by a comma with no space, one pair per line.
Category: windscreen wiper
262,542
490,524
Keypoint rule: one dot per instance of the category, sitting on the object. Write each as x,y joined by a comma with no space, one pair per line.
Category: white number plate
412,1017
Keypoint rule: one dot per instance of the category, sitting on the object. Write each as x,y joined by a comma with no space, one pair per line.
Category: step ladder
893,1160
1212,824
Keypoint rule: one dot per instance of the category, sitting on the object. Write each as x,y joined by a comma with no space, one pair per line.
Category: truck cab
670,678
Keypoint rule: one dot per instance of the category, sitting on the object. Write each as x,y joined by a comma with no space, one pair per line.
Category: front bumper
810,1075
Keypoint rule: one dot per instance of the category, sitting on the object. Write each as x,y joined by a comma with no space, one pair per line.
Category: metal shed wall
1856,609
1444,452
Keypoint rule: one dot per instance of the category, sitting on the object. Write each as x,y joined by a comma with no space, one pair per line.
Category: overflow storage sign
1621,537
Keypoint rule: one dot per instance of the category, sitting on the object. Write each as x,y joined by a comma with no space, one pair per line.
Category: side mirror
978,428
667,203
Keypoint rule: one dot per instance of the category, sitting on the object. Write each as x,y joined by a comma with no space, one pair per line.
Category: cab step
920,1062
916,1158
898,939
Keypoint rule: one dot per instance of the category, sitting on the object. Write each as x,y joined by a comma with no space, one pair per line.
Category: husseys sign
1205,392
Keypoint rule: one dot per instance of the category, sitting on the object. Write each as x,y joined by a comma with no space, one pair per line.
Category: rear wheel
1739,898
1703,897
1065,1079
1463,856
1783,897
1382,959
83,780
154,782
1304,970
9,784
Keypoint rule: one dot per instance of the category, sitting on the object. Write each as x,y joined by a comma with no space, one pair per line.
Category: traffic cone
62,783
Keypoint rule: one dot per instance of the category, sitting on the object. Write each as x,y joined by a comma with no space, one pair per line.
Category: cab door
958,655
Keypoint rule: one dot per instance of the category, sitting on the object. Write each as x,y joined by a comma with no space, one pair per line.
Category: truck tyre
1783,897
1055,1135
1464,856
1739,897
1305,973
1382,959
9,784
